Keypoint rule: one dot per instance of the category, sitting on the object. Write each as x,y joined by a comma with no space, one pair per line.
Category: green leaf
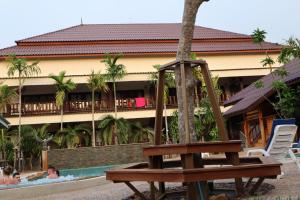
258,84
268,61
281,72
258,36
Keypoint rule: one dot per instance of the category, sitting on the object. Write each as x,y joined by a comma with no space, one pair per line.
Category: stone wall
95,156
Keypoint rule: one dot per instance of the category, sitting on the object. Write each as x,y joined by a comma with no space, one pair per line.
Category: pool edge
48,189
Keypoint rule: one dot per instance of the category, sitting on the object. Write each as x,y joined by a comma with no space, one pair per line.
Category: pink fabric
140,102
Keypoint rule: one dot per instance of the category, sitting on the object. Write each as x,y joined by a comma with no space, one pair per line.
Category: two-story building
79,49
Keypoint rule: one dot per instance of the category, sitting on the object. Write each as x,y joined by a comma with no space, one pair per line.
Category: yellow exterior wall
221,65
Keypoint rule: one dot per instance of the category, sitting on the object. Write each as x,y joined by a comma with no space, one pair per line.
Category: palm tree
72,136
29,145
169,83
114,72
20,68
96,82
7,95
138,133
114,130
62,87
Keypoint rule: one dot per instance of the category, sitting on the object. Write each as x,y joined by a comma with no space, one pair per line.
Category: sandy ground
288,186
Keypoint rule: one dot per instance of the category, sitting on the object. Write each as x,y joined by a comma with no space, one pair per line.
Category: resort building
79,49
252,114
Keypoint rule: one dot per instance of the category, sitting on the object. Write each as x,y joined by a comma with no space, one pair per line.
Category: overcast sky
25,18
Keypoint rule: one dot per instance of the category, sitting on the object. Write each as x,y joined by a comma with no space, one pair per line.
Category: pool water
65,175
86,172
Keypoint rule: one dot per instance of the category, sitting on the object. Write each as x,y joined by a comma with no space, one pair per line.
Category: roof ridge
217,29
152,23
38,35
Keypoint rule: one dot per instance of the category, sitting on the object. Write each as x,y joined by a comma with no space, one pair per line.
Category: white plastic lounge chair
295,148
280,144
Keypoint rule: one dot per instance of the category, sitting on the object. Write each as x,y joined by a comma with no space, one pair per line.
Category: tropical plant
70,137
173,126
114,130
7,95
290,50
138,133
8,148
286,96
29,146
96,82
114,72
20,68
62,88
169,82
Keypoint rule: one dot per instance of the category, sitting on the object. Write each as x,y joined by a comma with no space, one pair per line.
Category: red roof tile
128,48
251,96
130,38
100,32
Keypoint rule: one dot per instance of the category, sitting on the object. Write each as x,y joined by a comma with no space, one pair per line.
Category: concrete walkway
288,186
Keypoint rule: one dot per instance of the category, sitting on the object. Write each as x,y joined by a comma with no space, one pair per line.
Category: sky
20,19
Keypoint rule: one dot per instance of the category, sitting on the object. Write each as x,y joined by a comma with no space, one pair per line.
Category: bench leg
249,182
138,193
235,160
256,185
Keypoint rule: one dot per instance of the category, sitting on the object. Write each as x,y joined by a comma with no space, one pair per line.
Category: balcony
46,108
84,106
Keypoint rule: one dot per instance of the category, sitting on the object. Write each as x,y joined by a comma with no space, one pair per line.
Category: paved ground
289,185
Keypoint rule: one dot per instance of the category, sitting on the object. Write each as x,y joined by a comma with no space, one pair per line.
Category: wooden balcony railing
42,108
81,106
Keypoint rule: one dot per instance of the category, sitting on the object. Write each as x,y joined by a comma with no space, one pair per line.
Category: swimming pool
86,172
65,175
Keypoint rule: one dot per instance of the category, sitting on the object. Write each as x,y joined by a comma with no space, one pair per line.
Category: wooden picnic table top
199,147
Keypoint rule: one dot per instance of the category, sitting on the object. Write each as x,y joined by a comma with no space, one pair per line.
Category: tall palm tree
169,83
114,72
62,88
96,82
20,68
114,130
7,95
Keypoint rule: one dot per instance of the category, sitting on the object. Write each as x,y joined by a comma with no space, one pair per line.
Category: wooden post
185,106
234,159
44,160
262,127
214,103
159,107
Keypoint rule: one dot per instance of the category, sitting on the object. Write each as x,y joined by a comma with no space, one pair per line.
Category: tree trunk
61,116
93,119
184,50
115,138
19,130
115,98
3,145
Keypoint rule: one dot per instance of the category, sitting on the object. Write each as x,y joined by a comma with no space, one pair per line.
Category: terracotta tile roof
102,32
97,39
130,48
251,96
